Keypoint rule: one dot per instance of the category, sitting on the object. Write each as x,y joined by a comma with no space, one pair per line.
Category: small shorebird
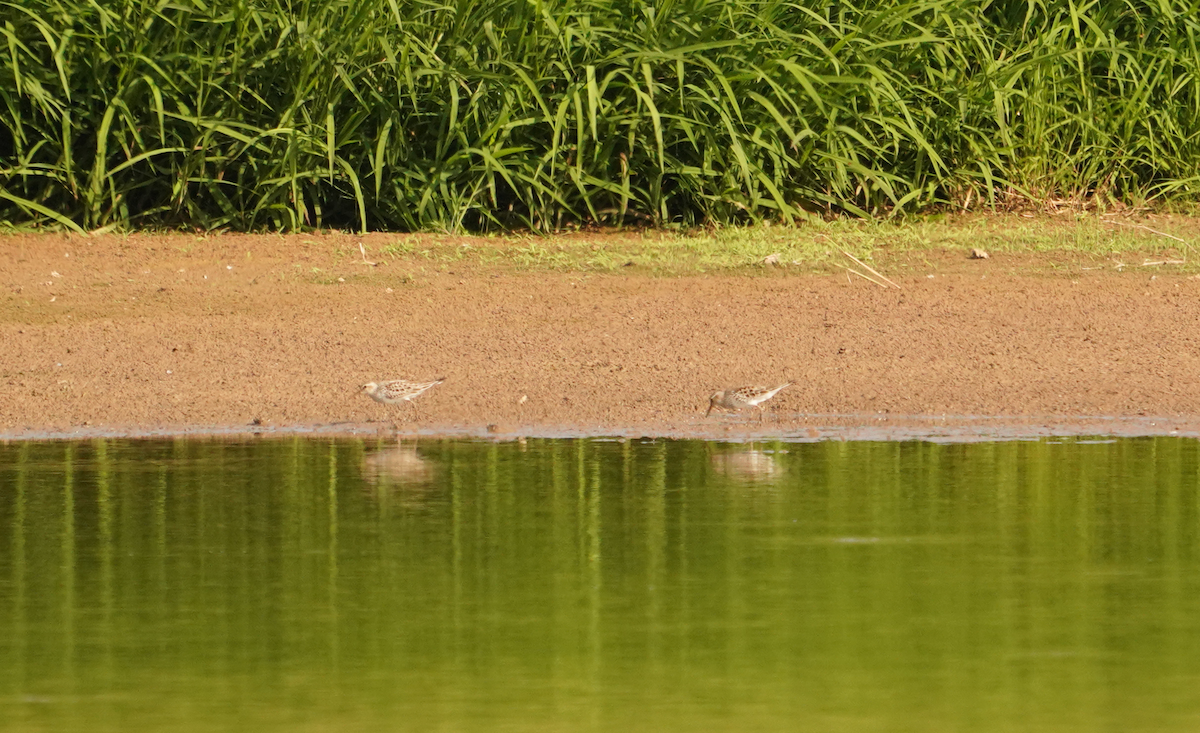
742,397
397,390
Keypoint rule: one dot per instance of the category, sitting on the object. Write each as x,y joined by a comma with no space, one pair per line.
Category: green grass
819,246
420,115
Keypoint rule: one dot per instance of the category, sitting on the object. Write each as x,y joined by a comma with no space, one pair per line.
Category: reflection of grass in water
565,559
17,532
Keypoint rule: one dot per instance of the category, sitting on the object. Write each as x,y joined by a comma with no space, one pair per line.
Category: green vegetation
1166,242
414,115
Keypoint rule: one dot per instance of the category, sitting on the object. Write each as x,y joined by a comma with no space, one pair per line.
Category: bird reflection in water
747,465
398,468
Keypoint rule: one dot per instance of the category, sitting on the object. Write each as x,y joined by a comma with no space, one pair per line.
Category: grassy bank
1070,244
398,114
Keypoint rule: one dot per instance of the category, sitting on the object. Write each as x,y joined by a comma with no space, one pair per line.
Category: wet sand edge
865,427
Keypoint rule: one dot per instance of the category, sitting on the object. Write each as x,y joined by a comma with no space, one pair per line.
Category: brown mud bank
179,334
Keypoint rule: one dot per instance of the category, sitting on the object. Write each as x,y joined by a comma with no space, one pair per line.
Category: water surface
595,585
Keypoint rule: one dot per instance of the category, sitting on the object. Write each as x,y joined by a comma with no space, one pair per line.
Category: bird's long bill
711,405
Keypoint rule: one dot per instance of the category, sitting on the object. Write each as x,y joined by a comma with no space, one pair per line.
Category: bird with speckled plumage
738,398
395,391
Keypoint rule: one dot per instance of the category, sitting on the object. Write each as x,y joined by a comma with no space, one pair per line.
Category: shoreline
800,429
180,334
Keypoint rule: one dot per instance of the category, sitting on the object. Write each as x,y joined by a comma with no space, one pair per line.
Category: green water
576,585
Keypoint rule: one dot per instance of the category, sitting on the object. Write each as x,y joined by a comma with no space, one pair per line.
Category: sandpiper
738,398
397,390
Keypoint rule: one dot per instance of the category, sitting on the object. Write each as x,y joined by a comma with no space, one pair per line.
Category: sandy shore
150,335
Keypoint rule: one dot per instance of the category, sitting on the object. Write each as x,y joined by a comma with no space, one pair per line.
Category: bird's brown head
368,388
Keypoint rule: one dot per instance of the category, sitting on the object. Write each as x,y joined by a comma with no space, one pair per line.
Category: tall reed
434,114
